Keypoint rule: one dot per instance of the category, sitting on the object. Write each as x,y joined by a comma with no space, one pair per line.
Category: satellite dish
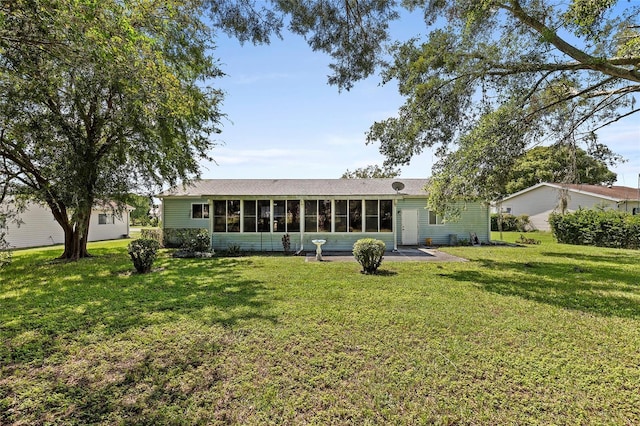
397,186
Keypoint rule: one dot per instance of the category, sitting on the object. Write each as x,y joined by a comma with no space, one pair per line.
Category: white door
410,227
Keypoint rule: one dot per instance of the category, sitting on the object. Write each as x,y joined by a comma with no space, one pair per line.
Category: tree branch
588,62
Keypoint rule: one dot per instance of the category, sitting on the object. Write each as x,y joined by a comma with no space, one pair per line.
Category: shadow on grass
601,288
48,300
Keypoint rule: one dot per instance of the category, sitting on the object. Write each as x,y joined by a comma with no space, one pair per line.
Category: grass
544,334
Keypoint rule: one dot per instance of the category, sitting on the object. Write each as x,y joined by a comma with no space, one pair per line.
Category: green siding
474,218
177,213
267,241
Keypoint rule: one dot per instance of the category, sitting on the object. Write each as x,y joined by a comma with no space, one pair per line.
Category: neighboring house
540,200
254,214
37,227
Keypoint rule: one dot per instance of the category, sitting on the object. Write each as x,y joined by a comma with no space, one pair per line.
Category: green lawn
546,334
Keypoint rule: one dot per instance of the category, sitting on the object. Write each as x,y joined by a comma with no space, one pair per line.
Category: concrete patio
403,254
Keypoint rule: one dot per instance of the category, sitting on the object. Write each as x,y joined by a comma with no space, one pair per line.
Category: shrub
525,240
511,223
233,250
368,252
5,251
143,253
608,228
198,243
286,243
179,237
152,234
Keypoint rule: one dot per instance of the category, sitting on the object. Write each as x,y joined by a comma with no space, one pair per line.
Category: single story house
36,226
540,200
254,214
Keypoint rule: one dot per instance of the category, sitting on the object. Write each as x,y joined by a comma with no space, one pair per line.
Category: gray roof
615,193
297,187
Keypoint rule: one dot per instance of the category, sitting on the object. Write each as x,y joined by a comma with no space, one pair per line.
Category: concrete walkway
404,254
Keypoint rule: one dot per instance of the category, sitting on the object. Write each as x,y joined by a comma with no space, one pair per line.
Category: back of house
254,214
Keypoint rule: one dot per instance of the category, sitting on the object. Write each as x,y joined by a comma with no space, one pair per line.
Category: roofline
560,186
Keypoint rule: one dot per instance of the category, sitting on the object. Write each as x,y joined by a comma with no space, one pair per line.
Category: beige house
36,226
540,200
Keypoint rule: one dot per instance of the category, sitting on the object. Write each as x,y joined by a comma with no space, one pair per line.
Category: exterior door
410,227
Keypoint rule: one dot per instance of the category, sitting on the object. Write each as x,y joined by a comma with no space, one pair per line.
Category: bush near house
602,228
179,237
368,252
153,234
511,223
143,253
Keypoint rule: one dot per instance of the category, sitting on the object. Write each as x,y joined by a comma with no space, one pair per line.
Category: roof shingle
297,187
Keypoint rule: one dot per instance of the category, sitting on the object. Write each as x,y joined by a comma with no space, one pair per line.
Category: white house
540,200
36,226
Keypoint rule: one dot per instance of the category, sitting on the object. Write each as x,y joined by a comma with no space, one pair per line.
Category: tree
141,205
98,98
496,77
371,172
551,163
546,70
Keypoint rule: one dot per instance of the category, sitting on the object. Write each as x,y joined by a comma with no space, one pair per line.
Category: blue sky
285,121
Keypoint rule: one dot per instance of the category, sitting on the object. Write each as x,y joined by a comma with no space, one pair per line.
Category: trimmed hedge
152,234
180,237
511,223
143,253
606,228
369,252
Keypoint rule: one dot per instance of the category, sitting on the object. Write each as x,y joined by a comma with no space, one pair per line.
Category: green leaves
115,103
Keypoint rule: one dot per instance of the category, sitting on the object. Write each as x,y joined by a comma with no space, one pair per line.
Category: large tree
97,98
489,80
551,163
496,77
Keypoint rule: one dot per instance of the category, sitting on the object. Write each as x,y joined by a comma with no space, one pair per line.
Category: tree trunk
76,235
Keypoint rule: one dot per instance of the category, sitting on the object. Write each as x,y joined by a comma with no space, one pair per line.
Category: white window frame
109,219
438,217
202,207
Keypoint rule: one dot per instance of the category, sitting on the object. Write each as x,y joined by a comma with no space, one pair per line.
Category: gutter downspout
210,203
395,224
302,213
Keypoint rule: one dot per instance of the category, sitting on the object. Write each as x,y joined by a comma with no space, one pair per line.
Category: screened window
286,216
233,216
226,216
317,215
199,211
220,216
324,215
386,216
250,216
378,215
264,216
311,216
434,219
372,215
355,215
341,216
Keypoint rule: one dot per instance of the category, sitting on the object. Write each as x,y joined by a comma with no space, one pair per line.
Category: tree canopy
489,79
495,77
98,98
551,163
371,172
